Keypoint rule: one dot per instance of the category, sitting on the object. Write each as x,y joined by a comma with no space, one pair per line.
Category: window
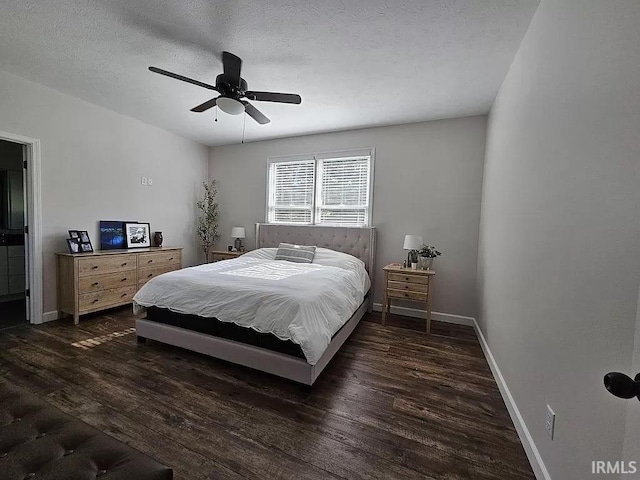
321,189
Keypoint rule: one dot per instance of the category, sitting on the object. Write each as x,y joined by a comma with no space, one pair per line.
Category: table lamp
412,242
237,233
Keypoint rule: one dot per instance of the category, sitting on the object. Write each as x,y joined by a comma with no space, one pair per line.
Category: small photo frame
74,245
86,247
138,235
84,236
74,234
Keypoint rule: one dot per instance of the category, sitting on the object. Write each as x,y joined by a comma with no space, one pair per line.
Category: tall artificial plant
208,219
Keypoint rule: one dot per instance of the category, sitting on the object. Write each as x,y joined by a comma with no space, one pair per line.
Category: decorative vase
157,239
425,262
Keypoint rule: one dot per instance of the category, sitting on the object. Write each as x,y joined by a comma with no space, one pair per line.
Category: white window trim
371,152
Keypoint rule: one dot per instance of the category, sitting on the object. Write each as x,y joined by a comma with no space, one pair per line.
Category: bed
284,318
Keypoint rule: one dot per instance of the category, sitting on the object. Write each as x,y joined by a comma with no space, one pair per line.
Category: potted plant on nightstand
426,255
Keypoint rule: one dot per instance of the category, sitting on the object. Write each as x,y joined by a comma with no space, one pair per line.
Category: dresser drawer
106,298
422,297
146,274
106,281
412,287
160,259
408,278
106,264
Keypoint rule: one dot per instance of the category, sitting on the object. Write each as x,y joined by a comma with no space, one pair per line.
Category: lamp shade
412,242
237,232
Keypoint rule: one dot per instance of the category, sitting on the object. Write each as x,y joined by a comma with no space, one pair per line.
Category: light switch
143,181
150,182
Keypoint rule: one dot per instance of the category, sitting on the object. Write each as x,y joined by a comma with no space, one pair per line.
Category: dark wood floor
13,313
393,404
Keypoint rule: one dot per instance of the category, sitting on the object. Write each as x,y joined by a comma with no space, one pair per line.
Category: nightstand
217,255
407,284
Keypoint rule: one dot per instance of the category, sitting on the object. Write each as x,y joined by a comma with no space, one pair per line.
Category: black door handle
621,385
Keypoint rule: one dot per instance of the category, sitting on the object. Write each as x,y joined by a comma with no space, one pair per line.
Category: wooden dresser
407,284
89,282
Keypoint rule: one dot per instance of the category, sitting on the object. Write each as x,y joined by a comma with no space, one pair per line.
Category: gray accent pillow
295,253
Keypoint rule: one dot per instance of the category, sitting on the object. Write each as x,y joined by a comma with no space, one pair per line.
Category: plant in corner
208,220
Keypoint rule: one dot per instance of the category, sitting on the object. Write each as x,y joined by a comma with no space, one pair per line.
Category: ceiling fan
232,89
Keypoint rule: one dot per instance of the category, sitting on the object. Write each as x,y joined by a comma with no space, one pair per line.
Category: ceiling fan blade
254,113
231,65
182,78
205,106
274,97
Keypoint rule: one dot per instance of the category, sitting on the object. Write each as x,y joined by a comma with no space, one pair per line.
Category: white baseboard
539,468
50,316
439,316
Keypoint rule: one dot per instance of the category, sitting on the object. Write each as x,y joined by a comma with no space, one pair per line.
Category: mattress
230,331
305,304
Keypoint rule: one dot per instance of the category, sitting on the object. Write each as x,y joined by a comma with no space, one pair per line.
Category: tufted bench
38,441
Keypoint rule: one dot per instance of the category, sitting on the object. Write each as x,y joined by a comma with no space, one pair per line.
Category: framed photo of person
74,234
74,245
138,235
84,236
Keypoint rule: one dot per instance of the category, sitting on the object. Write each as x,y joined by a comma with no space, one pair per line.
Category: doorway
20,231
13,290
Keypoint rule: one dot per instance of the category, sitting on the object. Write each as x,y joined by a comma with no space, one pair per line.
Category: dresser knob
95,284
406,294
171,259
123,295
124,264
95,267
124,279
150,275
95,300
150,261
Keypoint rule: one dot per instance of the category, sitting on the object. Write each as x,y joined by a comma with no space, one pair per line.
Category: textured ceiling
356,63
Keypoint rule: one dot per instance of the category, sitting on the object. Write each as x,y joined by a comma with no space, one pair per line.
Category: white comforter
304,303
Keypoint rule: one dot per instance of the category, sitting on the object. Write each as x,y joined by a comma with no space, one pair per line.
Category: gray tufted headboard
357,241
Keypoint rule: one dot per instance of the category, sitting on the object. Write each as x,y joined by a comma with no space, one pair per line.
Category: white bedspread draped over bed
304,303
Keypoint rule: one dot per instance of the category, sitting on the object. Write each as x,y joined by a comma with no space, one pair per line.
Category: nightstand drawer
421,297
412,287
408,278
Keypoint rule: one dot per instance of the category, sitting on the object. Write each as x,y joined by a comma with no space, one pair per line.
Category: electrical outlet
150,181
143,181
551,422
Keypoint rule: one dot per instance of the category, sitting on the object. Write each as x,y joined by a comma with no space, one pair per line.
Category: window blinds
291,187
320,190
342,196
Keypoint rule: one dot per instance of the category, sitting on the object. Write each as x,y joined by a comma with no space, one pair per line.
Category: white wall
92,161
559,256
428,180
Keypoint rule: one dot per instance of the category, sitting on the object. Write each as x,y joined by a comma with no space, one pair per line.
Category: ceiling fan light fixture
230,105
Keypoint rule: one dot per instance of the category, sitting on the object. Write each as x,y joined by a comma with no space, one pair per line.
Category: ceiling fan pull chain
216,113
244,124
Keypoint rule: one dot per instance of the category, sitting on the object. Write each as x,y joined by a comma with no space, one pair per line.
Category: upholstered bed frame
356,241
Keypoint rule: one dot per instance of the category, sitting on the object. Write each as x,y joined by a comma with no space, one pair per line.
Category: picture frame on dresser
73,244
112,236
138,235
